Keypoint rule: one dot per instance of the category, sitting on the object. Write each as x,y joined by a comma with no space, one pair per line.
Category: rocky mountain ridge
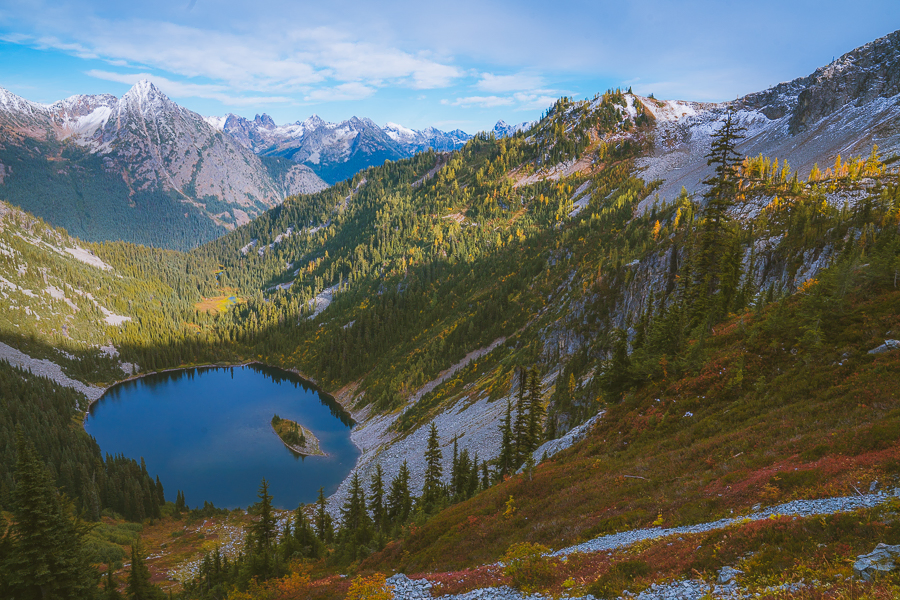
843,108
335,151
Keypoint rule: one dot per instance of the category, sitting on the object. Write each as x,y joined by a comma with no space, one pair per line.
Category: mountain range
141,168
335,151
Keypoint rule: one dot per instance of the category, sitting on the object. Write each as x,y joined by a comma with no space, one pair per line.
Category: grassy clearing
217,304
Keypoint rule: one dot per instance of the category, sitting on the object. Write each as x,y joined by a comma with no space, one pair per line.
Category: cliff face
858,78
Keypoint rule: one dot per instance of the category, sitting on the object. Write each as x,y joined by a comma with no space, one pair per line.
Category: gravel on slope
48,369
799,508
693,589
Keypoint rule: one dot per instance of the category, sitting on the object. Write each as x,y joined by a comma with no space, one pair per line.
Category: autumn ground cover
767,417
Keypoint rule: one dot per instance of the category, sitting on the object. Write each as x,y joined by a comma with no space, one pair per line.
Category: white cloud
179,89
529,100
288,60
481,101
535,99
345,91
509,83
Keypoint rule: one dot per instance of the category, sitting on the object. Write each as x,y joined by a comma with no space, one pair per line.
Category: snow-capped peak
144,93
12,102
399,132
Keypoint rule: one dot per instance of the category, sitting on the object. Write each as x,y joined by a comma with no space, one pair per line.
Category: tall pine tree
432,489
44,556
716,236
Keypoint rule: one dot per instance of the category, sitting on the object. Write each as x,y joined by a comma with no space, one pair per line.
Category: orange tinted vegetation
796,424
221,303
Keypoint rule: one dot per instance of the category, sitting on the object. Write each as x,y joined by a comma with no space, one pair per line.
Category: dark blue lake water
206,431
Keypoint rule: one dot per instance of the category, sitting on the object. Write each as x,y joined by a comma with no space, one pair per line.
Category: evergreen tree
617,377
399,502
716,236
160,494
302,540
507,449
356,527
456,474
376,499
110,585
261,536
520,428
324,524
535,411
44,555
262,559
432,489
138,586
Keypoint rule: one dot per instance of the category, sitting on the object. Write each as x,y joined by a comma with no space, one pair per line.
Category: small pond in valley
207,431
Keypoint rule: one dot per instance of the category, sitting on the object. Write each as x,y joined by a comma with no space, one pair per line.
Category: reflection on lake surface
206,431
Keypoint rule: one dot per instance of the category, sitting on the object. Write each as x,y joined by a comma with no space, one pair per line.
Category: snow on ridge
17,103
217,123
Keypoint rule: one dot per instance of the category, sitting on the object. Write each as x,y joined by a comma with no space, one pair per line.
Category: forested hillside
481,302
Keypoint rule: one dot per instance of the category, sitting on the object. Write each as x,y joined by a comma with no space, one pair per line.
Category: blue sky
462,64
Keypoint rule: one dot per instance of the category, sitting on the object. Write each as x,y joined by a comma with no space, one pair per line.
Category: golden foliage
374,587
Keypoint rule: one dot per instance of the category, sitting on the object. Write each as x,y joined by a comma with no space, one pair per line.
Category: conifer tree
262,560
110,585
716,237
324,525
160,493
399,502
138,586
44,555
356,527
376,499
432,490
535,411
520,428
507,448
300,539
262,531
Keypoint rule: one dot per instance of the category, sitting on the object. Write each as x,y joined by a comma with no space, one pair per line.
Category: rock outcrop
881,560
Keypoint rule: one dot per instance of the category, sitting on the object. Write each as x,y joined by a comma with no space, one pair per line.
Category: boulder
880,560
887,346
728,575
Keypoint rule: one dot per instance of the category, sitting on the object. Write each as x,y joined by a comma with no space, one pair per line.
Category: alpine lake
207,431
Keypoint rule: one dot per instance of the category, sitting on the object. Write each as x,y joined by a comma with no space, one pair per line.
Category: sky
464,64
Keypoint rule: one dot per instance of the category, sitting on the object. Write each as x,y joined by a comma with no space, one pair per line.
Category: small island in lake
296,437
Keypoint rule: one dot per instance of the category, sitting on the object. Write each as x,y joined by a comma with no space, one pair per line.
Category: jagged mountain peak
147,97
264,120
312,121
14,103
335,150
503,129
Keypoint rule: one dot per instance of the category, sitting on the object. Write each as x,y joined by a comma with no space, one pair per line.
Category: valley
564,351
